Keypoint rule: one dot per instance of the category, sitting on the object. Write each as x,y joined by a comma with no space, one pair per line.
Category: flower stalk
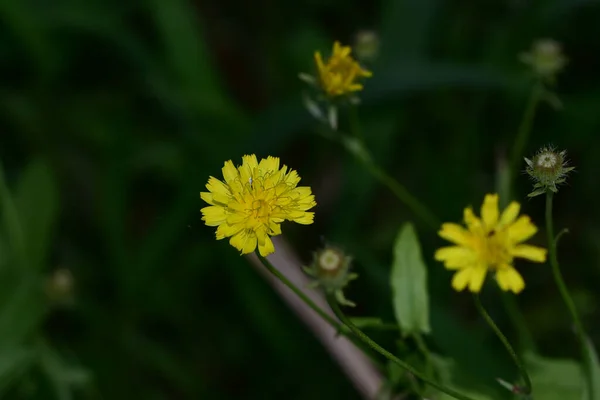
564,292
375,346
526,390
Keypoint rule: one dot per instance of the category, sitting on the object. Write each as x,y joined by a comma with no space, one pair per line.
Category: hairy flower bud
548,169
331,270
545,59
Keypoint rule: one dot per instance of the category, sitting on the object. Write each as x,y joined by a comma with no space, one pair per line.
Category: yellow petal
509,279
455,257
207,197
509,214
521,230
267,247
532,253
477,278
472,222
216,186
269,165
306,218
489,211
460,280
455,233
244,241
319,62
213,215
274,228
247,169
226,230
230,173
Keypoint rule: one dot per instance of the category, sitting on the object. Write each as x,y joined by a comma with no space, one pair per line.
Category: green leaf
594,368
36,200
554,379
409,283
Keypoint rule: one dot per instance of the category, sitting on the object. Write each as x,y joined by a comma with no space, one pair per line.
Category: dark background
122,109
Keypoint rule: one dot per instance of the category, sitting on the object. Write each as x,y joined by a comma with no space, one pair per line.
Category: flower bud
331,270
545,59
548,169
366,45
59,286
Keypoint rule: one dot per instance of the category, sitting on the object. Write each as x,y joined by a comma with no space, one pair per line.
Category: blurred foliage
114,113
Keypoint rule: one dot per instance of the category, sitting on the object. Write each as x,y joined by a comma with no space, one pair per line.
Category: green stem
525,129
358,149
564,292
326,317
422,346
518,320
520,365
372,344
339,328
418,208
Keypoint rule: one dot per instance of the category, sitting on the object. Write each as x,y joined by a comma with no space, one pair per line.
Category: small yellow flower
489,243
339,74
253,201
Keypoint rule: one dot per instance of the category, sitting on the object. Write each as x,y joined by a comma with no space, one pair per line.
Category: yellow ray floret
253,200
489,243
339,75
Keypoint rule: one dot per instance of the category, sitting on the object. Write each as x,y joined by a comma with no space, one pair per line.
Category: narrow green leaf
409,283
372,323
594,368
555,379
36,200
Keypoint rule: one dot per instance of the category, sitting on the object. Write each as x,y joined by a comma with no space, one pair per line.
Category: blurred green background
114,113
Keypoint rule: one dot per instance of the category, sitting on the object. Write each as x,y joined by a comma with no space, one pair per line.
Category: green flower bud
366,45
331,270
548,169
545,59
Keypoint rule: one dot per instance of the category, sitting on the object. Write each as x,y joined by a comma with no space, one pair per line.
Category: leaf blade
409,283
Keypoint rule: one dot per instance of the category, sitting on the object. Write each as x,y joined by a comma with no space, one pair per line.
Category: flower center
329,260
494,251
259,213
547,160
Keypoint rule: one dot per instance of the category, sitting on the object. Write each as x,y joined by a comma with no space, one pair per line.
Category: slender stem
418,208
326,317
525,128
564,292
518,320
422,346
372,344
360,151
339,328
520,365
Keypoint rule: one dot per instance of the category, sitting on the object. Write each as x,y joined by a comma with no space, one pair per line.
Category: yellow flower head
253,201
489,243
339,74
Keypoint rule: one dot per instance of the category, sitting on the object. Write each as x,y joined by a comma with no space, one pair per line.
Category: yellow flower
490,243
253,201
339,74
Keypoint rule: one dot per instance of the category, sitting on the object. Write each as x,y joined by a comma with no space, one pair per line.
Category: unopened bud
548,169
331,270
545,59
59,286
366,45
